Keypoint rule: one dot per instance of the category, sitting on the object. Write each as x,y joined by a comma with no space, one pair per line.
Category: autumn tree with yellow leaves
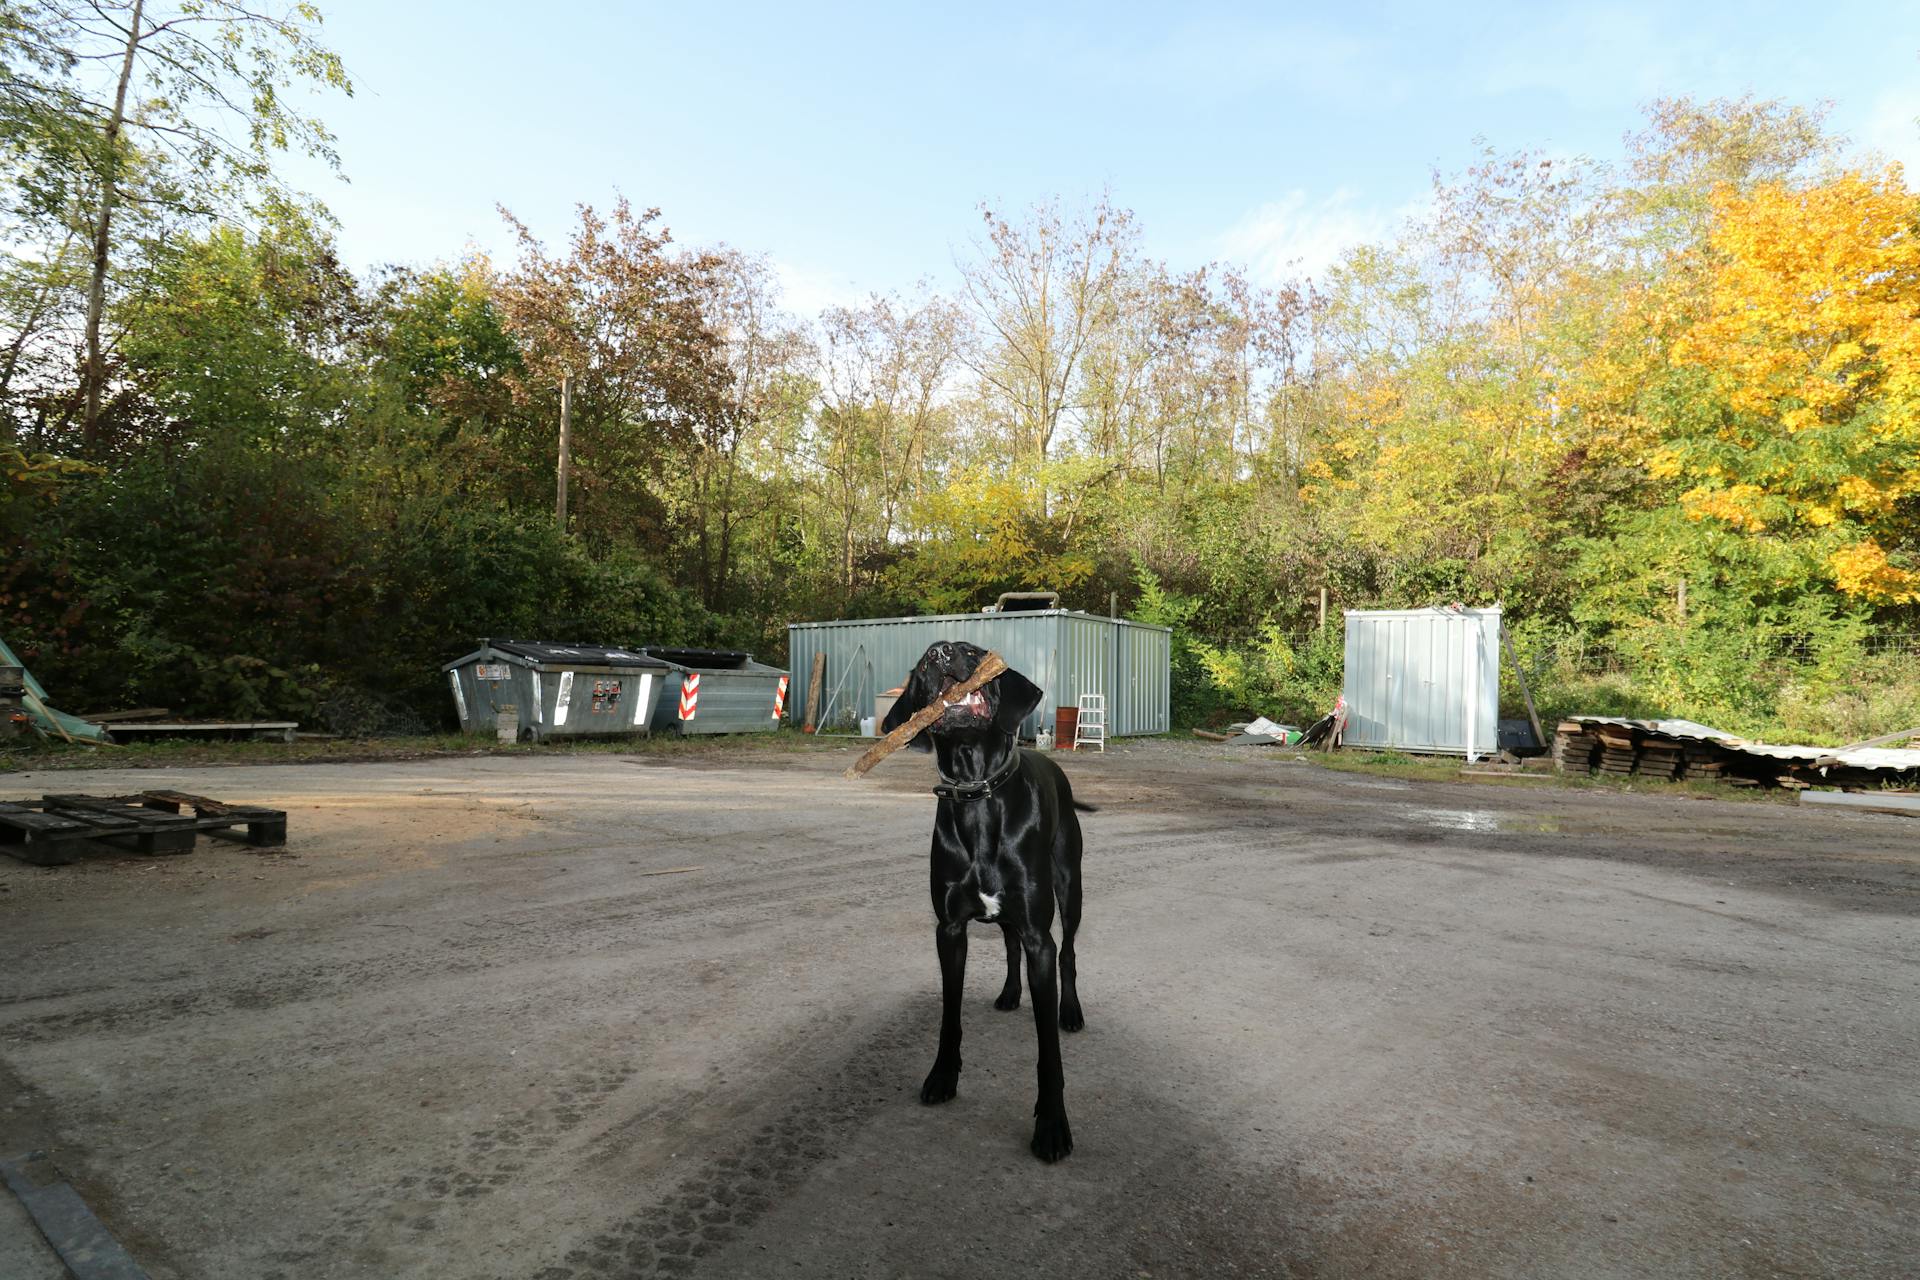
1811,338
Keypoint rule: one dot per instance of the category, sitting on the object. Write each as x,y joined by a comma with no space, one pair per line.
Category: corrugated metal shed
1423,680
556,690
716,691
1065,652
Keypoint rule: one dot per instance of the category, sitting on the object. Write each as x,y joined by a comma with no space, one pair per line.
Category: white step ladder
1090,729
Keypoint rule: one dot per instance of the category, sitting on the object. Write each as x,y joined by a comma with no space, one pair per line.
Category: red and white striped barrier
780,698
690,695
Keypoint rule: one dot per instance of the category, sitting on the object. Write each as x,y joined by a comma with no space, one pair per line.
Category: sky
854,144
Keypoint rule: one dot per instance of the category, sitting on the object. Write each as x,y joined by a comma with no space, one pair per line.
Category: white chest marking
991,901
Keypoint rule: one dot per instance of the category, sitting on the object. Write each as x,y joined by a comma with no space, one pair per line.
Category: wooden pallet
59,829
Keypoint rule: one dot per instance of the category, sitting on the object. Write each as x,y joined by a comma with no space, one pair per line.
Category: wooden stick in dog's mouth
990,666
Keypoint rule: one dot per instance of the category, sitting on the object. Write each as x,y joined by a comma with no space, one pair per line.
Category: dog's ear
917,693
1018,697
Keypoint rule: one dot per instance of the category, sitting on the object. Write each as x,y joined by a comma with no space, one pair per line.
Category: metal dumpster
535,690
717,691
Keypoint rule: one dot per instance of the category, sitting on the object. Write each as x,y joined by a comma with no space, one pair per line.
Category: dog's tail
1084,807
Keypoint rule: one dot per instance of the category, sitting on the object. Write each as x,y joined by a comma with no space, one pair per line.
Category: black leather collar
949,789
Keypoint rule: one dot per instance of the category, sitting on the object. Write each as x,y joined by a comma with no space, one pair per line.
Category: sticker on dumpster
566,696
489,671
459,696
690,695
780,698
606,696
640,703
539,695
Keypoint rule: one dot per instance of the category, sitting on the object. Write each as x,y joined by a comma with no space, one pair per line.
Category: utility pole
566,457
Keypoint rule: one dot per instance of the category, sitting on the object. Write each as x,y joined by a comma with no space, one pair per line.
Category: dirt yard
595,1016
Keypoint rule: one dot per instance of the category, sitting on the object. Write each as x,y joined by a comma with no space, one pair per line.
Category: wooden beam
1533,717
1906,804
816,690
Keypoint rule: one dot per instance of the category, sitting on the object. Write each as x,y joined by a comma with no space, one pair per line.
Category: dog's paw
1009,999
940,1087
1071,1019
1052,1136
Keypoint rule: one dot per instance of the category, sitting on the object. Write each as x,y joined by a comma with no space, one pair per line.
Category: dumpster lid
699,659
586,655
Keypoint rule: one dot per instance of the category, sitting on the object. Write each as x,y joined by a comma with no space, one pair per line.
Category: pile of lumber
1685,751
1621,751
1658,758
1574,748
1702,762
1616,750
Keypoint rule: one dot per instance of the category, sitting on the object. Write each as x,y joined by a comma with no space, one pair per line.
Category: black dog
1006,849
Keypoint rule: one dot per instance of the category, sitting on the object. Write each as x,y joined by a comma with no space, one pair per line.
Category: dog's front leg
1052,1138
1010,992
944,1080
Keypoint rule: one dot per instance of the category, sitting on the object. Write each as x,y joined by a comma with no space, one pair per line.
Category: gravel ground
596,1016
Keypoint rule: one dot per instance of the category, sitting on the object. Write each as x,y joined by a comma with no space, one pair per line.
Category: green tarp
40,712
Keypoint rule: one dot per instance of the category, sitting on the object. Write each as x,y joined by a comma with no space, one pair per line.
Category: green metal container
530,691
717,691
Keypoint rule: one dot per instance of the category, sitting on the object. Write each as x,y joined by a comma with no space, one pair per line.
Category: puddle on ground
1485,820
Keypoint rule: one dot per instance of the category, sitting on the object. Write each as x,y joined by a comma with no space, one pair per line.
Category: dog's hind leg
1066,887
944,1080
1052,1138
1071,1019
1010,993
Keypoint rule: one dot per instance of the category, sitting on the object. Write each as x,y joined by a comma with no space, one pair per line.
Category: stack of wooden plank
1702,762
1616,749
1573,747
1658,758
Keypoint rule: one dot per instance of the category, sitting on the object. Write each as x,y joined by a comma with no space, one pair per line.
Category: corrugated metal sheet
1413,674
1065,652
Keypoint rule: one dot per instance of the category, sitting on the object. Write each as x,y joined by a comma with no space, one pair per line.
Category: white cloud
1297,235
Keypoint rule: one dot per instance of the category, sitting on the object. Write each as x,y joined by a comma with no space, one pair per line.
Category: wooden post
1323,608
566,440
1533,717
816,688
1680,600
1113,604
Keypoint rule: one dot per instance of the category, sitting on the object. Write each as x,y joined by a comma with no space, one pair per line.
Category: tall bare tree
1042,288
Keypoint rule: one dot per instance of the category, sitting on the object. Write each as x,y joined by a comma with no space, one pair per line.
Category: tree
627,319
764,350
1043,288
885,369
195,87
1810,339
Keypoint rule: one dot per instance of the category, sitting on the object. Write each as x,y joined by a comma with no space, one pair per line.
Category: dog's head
998,706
